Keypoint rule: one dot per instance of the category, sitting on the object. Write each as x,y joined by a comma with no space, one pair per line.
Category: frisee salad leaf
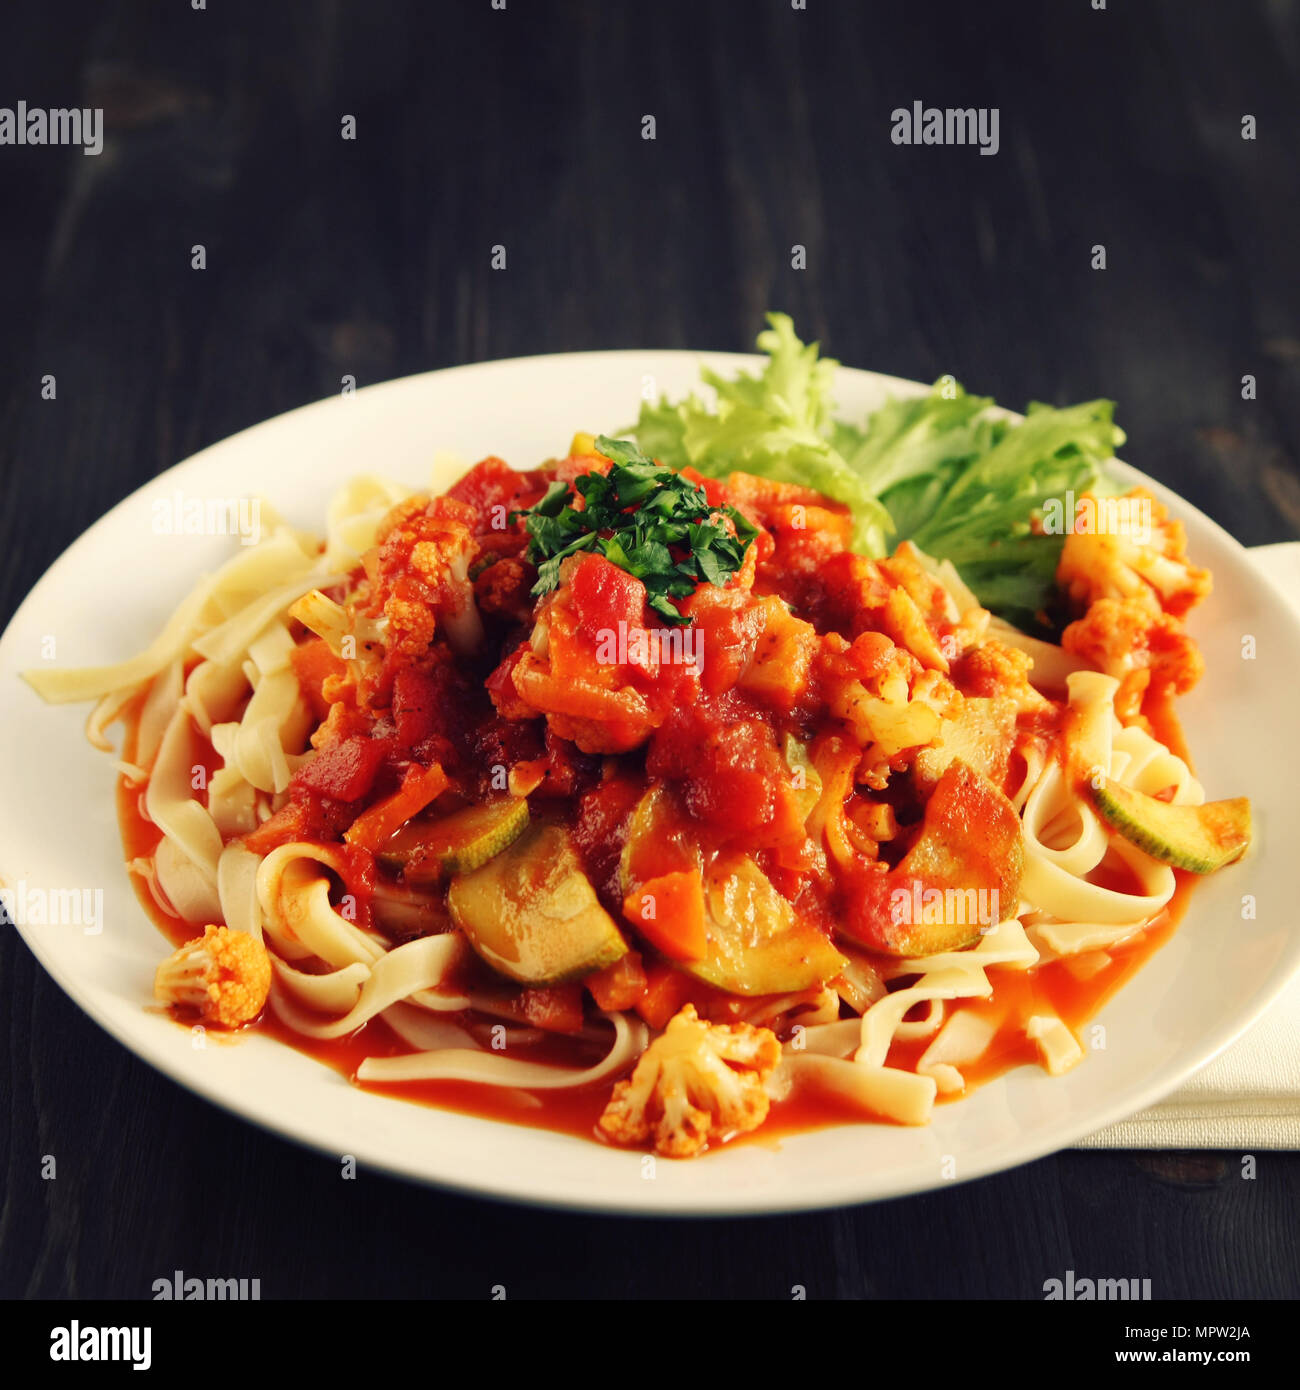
642,517
938,469
774,425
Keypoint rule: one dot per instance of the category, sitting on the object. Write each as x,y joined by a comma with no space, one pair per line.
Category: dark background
324,257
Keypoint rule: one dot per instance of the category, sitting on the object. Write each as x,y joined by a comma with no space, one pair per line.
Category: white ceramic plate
111,591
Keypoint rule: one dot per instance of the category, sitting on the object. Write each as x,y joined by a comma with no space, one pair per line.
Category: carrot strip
669,912
420,786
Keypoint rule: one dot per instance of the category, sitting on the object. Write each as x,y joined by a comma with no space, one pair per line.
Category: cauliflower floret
1123,636
994,670
905,569
895,597
419,572
694,1080
887,700
224,975
1115,559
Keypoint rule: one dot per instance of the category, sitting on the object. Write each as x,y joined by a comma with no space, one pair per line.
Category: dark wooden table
523,127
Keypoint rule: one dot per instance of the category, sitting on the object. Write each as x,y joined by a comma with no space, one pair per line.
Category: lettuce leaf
938,469
776,425
984,520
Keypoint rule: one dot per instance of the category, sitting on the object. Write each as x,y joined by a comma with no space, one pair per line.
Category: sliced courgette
1197,838
429,849
659,840
756,943
962,873
532,914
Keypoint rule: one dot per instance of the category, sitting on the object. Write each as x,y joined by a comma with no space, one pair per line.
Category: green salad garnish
938,469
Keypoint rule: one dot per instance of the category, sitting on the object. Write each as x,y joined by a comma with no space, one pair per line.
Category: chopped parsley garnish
644,518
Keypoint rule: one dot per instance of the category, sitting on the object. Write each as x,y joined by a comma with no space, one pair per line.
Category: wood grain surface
522,127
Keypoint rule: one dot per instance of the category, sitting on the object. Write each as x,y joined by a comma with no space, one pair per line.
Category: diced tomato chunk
714,488
618,986
601,828
501,686
729,624
346,771
557,1008
493,484
731,775
870,654
416,702
603,595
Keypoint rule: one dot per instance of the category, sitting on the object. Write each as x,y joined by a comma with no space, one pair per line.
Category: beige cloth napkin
1249,1096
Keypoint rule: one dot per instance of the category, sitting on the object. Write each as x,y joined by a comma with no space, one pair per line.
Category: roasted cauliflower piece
695,1080
996,671
888,701
894,597
1144,564
419,570
1121,636
223,975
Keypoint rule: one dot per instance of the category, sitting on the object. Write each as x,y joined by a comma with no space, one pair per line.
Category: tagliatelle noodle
297,916
1065,839
232,802
493,1069
907,1097
232,638
186,858
120,681
1058,1047
948,975
186,885
240,585
241,910
425,1031
156,712
963,1039
1053,666
214,692
1034,753
276,723
880,1092
409,971
353,517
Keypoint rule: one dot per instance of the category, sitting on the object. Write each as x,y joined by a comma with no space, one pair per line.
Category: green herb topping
644,518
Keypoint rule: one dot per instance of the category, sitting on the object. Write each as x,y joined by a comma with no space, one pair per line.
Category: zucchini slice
532,914
428,850
966,861
756,943
1200,839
